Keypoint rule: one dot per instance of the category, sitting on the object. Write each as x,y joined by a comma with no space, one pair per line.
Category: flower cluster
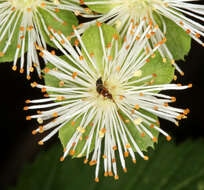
106,100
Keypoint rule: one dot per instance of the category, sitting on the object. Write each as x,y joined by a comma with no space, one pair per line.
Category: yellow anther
92,162
126,154
173,99
85,161
154,139
164,60
74,75
97,179
143,134
25,108
41,129
116,177
146,158
118,68
168,138
127,121
72,152
28,117
62,159
105,174
60,98
40,120
98,24
79,155
14,68
34,132
61,83
127,146
190,85
21,70
137,73
152,126
40,142
110,173
55,114
138,121
115,147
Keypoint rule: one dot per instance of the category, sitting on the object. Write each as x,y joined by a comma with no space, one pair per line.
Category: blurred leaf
170,167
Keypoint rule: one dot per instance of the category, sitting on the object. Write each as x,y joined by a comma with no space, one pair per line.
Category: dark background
19,146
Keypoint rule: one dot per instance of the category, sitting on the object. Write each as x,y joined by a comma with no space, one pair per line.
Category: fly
102,90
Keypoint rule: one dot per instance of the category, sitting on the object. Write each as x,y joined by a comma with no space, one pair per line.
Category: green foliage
101,8
178,41
92,42
68,19
170,167
164,71
143,142
10,53
67,131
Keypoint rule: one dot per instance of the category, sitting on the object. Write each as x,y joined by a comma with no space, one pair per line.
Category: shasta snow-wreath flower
101,102
23,20
149,14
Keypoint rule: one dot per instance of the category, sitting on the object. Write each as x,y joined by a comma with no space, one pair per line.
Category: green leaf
178,41
142,142
49,79
10,53
92,42
67,17
68,130
164,71
170,167
101,8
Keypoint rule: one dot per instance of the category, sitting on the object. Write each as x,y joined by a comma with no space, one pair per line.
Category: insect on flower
102,90
84,101
23,24
148,14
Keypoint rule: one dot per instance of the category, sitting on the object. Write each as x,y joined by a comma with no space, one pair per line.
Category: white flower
123,12
107,99
23,16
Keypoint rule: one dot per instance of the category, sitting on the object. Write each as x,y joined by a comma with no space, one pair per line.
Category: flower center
140,7
107,94
24,4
